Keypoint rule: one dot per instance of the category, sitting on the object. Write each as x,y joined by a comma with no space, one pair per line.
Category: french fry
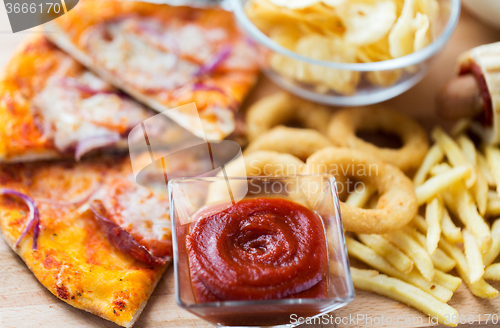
434,156
493,158
485,170
440,168
440,182
480,288
480,188
419,223
473,257
492,272
493,207
490,255
404,293
453,153
367,273
405,242
440,260
460,127
360,197
433,215
447,280
459,200
449,230
392,254
468,148
370,257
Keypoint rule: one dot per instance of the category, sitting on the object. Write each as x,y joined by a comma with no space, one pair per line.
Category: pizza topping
206,87
33,217
147,63
212,64
120,238
89,113
141,212
97,142
155,56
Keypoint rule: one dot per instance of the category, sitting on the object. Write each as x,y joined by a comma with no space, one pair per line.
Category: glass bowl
407,70
317,192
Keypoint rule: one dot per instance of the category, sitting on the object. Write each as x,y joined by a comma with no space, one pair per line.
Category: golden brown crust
298,142
282,108
347,122
24,76
397,203
74,260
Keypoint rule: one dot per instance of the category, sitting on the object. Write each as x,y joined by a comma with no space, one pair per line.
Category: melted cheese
140,63
133,44
86,107
140,211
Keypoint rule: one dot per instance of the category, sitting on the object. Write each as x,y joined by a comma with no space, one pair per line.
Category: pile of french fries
458,187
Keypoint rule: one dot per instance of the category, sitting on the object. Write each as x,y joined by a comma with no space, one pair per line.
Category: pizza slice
164,56
89,233
53,107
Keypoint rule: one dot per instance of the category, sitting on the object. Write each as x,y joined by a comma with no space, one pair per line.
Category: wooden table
26,303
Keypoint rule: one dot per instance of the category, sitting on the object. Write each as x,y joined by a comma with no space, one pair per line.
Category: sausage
460,98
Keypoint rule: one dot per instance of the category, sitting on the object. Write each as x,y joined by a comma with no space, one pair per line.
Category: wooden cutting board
26,303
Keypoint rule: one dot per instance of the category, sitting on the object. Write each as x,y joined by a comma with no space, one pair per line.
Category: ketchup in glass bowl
259,251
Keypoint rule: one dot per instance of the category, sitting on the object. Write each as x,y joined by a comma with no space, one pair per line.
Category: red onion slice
214,62
206,87
73,83
121,238
87,145
33,217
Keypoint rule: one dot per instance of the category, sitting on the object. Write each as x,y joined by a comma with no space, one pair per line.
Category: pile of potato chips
347,31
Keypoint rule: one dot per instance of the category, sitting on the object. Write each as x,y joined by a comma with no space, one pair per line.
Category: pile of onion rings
327,143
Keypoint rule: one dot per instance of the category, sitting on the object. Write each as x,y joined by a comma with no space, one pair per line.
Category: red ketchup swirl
257,249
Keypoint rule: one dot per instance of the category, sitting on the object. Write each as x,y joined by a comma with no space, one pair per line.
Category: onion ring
259,163
282,108
397,203
345,123
298,142
267,163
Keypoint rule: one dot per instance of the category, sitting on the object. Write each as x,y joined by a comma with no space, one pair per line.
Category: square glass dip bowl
206,204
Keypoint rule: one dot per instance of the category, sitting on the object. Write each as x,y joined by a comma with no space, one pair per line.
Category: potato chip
421,26
366,23
402,34
430,8
379,50
384,78
285,36
333,49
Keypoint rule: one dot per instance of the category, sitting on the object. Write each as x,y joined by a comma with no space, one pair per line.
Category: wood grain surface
26,303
